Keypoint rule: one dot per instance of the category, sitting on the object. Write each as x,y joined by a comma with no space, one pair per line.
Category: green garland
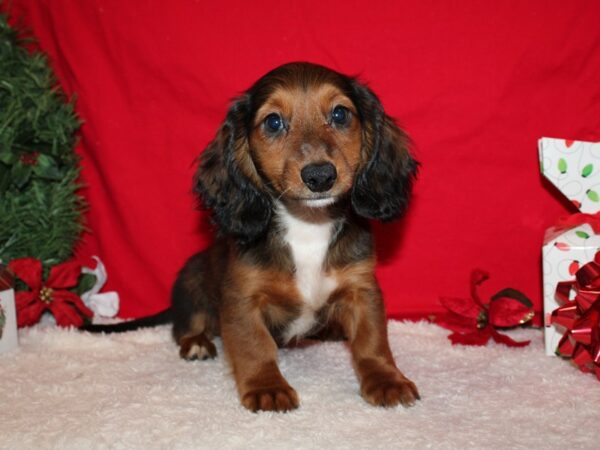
40,211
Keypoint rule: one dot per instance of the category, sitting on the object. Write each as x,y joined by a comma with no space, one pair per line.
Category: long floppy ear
383,185
227,182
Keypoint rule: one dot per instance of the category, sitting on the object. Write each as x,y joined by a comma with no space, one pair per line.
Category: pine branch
40,211
43,221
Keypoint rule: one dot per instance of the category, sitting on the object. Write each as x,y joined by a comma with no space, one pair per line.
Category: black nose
319,177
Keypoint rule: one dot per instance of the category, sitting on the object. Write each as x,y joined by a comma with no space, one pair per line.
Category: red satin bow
581,318
474,321
573,220
49,295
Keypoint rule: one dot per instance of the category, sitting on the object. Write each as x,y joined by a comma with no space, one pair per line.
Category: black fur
192,288
240,207
161,318
383,186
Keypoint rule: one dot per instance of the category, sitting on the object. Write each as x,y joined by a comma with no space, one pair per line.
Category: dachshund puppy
300,163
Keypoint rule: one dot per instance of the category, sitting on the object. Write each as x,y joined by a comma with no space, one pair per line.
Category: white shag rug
65,389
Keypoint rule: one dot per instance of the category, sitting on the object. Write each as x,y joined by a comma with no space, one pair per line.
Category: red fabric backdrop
475,85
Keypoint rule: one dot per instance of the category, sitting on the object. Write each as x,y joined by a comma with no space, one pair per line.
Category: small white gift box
8,316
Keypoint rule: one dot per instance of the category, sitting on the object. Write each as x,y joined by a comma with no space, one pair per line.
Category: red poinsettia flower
49,295
474,321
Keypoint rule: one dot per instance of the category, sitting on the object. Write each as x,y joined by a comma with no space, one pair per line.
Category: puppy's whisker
282,194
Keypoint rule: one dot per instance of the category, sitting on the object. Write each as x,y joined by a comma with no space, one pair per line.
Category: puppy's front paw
389,389
279,398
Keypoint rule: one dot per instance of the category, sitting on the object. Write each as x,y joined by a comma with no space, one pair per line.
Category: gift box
574,168
8,316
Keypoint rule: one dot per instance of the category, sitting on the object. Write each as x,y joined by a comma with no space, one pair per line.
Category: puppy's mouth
319,202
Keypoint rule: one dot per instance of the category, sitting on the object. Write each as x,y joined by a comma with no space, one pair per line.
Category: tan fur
310,139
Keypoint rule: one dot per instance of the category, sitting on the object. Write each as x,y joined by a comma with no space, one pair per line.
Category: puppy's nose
319,177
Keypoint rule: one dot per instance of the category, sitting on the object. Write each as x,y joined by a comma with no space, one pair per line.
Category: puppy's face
306,134
306,142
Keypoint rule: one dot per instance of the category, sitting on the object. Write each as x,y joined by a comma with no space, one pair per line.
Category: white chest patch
309,243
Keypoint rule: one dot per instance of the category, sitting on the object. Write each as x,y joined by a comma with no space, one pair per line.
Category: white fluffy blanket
68,390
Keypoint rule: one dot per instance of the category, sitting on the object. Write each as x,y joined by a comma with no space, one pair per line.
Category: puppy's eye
340,115
273,123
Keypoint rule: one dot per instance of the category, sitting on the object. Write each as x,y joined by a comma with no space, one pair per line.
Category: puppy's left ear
383,185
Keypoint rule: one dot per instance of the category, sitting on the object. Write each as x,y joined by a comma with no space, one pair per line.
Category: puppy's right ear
227,181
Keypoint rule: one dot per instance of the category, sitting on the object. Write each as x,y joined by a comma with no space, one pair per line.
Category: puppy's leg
196,343
362,315
253,356
194,319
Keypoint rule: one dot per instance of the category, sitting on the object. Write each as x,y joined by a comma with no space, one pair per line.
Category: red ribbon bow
50,295
576,219
474,321
581,318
